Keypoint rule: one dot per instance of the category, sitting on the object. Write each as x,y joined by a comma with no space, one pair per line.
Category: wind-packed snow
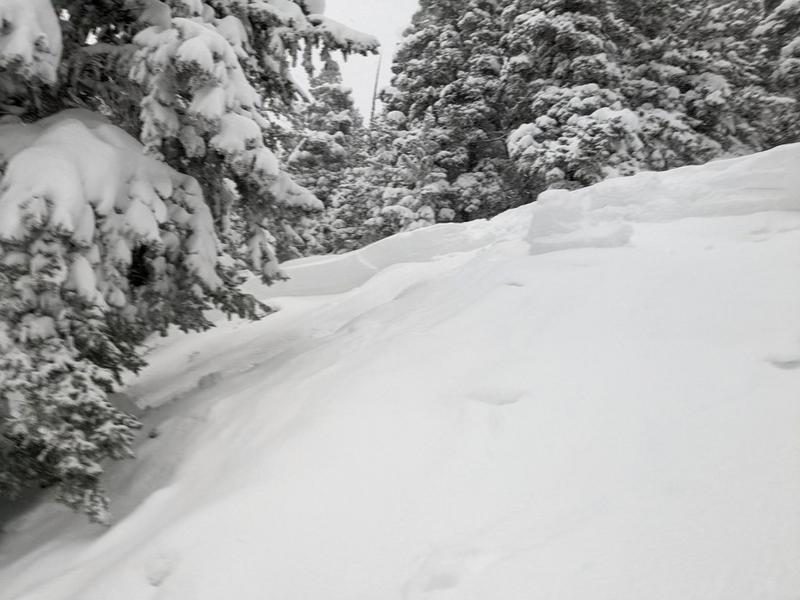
594,396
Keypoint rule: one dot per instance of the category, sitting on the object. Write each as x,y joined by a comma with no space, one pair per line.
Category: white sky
385,19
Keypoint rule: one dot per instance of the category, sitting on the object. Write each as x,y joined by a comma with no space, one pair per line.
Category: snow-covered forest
529,329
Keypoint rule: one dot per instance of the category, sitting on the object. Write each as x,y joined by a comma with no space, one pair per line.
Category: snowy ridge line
605,212
600,216
337,274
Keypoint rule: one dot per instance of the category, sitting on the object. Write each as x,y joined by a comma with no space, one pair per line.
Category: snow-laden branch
30,39
101,198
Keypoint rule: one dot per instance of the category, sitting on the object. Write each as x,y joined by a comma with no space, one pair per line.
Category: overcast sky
385,19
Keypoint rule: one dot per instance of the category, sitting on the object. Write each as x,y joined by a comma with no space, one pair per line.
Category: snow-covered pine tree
450,161
607,87
355,214
329,121
349,222
695,76
562,86
137,179
754,116
780,33
328,142
580,91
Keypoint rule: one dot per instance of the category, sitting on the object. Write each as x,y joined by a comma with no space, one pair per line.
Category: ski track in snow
594,396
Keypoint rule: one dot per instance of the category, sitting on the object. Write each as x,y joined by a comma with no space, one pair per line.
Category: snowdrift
594,396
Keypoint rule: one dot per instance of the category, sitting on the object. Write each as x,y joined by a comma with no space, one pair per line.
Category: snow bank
591,397
598,216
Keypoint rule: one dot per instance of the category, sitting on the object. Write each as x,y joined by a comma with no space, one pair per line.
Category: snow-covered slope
595,396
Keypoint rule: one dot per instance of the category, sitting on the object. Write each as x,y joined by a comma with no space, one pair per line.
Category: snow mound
599,216
594,396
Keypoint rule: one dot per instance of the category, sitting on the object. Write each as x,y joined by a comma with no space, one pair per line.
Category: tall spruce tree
615,86
137,178
328,143
358,215
331,129
448,158
493,102
700,61
563,85
780,33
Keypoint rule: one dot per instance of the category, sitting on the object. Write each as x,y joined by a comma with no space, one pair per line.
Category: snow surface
595,396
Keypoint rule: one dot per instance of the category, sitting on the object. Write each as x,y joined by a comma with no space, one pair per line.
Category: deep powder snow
595,396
